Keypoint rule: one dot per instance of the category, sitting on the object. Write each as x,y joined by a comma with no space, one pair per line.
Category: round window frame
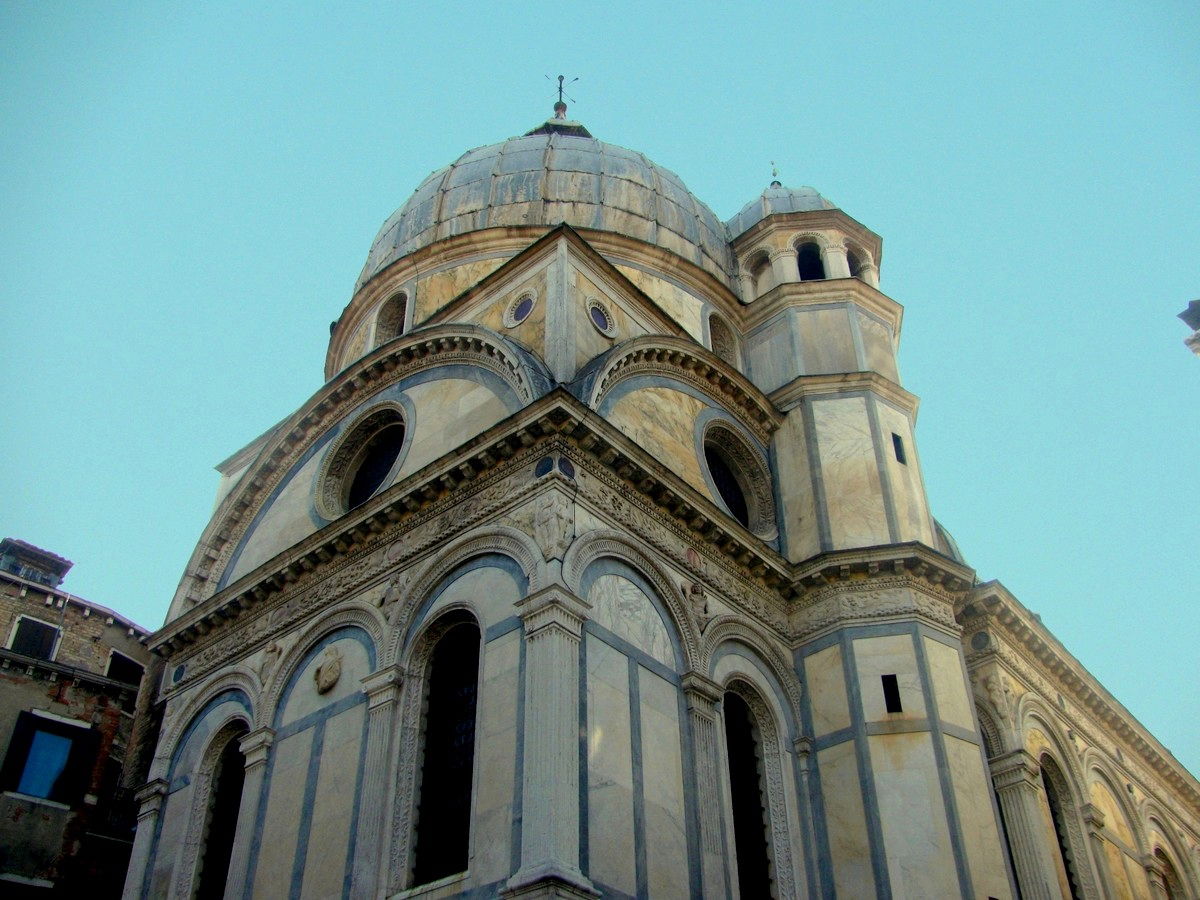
345,454
749,468
594,303
510,319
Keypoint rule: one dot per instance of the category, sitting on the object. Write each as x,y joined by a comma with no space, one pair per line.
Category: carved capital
383,687
256,745
150,797
554,608
702,693
1014,769
1093,818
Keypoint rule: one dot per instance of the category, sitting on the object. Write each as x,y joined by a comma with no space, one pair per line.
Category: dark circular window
360,462
727,485
376,461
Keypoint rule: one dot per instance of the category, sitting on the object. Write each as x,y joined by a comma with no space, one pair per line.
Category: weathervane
560,108
775,175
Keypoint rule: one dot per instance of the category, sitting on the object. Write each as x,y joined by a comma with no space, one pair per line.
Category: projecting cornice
805,387
824,293
992,607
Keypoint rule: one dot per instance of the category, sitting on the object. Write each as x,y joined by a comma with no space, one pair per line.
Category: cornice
798,389
799,294
694,364
991,605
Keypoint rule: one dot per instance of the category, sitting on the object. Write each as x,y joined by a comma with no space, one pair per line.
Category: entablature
805,387
820,293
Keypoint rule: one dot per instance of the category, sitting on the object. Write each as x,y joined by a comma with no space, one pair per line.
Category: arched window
722,340
443,813
740,478
220,820
808,261
760,274
1051,783
750,827
390,324
1172,883
854,260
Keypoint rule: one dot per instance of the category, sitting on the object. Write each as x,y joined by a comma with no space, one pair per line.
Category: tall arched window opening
808,261
390,324
1060,832
760,274
220,824
727,484
855,262
443,828
376,460
1172,883
744,751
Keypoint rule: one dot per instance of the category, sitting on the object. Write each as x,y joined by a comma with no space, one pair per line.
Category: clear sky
189,191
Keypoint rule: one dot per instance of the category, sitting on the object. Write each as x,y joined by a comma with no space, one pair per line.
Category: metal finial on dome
560,107
775,182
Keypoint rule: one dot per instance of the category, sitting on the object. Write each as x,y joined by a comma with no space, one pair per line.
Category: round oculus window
518,311
601,318
362,462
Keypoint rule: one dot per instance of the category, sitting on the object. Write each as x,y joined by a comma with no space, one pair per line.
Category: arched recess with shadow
1179,874
390,322
1065,828
766,820
437,762
810,263
203,798
457,637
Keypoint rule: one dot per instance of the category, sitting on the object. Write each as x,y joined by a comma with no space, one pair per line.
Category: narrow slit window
891,694
898,447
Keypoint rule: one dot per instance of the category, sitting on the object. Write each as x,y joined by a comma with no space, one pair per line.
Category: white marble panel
448,412
662,421
610,769
878,347
285,522
796,488
662,788
980,836
845,822
285,804
888,655
908,492
826,342
489,590
827,690
949,686
850,473
305,698
333,808
620,606
920,859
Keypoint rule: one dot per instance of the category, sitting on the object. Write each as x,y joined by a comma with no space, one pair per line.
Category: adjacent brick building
69,677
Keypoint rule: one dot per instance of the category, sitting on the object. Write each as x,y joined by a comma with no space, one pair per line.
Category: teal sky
190,190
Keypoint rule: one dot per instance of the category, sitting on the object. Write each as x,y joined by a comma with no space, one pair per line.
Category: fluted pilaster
383,690
702,695
553,623
150,800
1015,776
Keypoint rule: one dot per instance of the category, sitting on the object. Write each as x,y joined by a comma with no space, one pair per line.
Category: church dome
555,173
775,199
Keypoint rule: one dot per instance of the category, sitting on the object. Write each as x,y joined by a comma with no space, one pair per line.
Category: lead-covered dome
775,199
556,173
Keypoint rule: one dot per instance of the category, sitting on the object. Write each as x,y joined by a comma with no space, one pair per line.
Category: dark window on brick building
48,758
34,638
122,668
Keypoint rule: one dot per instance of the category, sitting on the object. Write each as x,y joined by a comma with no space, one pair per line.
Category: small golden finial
775,182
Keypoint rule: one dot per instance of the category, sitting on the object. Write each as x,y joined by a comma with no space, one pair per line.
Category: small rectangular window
34,638
122,668
898,446
891,694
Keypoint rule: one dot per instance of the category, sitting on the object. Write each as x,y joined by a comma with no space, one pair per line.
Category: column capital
553,607
256,745
701,692
1093,818
383,686
788,252
150,796
1014,768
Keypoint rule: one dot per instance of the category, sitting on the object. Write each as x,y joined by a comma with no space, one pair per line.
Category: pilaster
1016,777
553,624
383,690
149,799
256,749
702,696
1157,877
784,268
836,263
1093,823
